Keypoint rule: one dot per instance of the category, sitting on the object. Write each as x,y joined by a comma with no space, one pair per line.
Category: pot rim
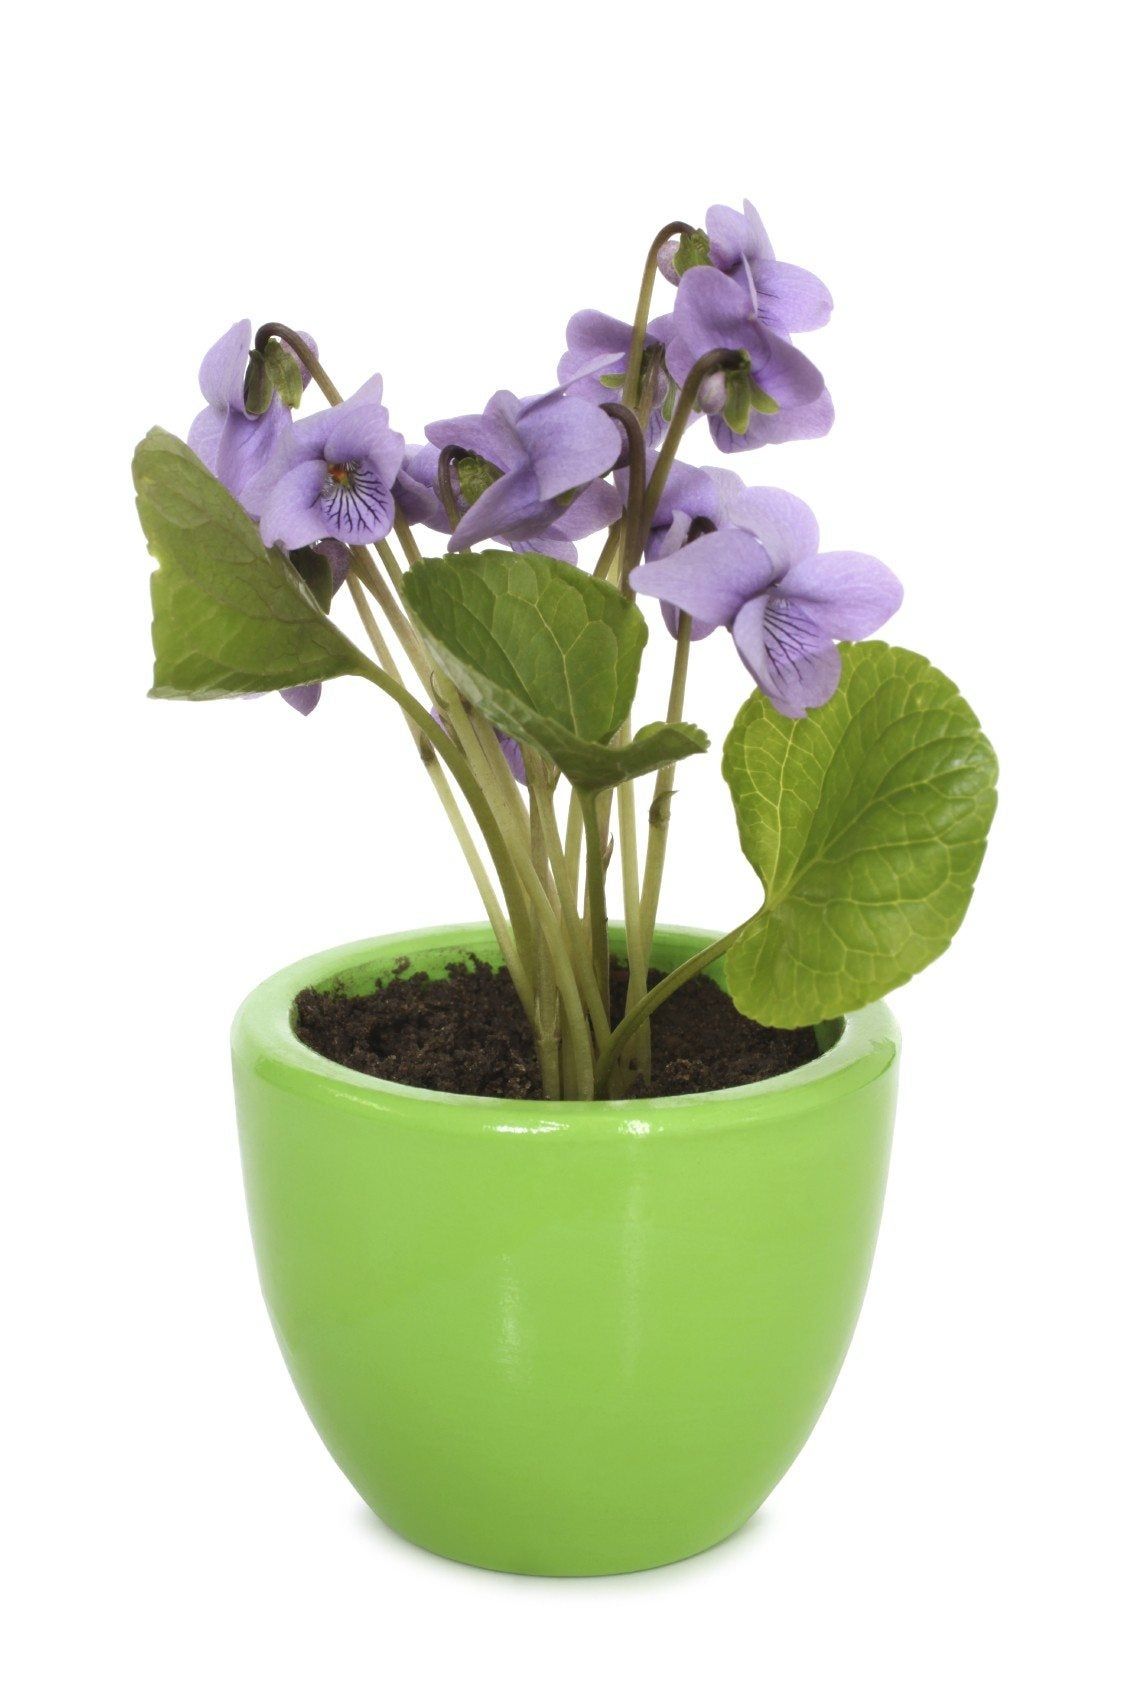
262,1033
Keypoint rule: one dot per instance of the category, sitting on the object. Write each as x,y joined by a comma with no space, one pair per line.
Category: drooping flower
529,472
415,489
694,501
596,360
777,394
785,604
787,297
233,445
332,475
323,567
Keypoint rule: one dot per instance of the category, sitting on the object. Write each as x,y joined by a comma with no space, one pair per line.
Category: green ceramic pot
561,1337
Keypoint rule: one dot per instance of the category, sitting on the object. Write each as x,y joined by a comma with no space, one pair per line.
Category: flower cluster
543,473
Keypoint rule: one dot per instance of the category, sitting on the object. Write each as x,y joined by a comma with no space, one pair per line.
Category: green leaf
230,617
867,823
550,655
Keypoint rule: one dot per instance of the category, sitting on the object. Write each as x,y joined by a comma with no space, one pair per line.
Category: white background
433,194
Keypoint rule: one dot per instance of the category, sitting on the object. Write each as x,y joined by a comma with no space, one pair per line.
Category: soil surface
466,1033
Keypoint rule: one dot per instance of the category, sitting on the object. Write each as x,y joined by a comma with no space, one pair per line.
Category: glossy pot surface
559,1337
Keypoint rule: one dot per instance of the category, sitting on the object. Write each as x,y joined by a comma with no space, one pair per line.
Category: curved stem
284,333
448,458
655,998
719,359
633,532
631,389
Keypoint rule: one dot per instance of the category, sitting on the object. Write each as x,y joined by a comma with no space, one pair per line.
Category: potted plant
564,1226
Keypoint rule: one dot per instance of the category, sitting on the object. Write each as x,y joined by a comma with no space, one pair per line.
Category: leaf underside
230,616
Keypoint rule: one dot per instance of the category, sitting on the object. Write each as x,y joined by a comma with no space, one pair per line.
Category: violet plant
862,785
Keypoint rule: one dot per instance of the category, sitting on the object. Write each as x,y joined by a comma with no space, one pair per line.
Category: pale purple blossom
416,491
332,475
788,298
777,394
231,443
761,577
529,472
596,361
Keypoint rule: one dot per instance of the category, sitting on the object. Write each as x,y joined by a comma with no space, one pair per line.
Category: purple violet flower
785,604
332,475
530,472
694,502
778,394
234,446
788,297
596,360
415,489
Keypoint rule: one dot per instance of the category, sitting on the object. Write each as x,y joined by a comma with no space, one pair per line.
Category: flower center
353,496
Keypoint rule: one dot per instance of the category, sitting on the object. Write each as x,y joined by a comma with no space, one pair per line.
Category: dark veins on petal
353,498
790,637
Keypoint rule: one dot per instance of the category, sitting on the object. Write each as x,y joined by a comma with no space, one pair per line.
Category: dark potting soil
466,1033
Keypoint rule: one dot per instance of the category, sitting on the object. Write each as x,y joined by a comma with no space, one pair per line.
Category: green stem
573,848
720,359
546,991
595,894
632,534
576,938
631,389
510,870
504,936
655,998
610,551
661,806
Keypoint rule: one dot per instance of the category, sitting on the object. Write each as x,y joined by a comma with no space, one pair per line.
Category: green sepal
475,476
285,372
693,248
737,401
257,386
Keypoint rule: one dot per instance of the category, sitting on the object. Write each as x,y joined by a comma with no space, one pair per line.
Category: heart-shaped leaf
230,617
550,654
867,823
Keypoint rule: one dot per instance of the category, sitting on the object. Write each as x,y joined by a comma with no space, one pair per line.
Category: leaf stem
655,998
575,931
595,893
661,806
